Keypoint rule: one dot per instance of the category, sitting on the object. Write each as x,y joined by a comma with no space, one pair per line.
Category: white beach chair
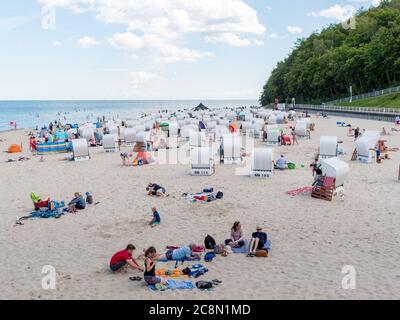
130,136
110,143
201,162
80,149
301,129
273,134
231,145
328,147
197,139
262,165
364,146
338,169
87,133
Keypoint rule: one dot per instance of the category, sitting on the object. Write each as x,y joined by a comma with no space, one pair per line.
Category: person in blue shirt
281,163
156,218
77,203
183,253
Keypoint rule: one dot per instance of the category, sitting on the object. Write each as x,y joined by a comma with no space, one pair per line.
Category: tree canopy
324,66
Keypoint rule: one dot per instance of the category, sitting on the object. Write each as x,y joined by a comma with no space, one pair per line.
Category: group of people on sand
236,240
284,139
124,259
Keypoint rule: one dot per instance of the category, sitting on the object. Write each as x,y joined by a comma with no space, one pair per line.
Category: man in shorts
123,259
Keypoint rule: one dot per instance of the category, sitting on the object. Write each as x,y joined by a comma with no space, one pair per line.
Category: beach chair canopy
328,146
364,145
262,159
80,148
197,139
231,145
301,128
130,135
87,133
173,128
109,141
272,119
200,156
141,137
335,168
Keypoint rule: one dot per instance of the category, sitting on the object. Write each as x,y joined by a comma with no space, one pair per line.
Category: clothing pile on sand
208,195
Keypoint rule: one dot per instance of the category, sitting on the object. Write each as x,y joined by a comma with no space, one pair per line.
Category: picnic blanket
47,214
180,260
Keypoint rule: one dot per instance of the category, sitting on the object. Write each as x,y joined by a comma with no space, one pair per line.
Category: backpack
209,256
208,190
219,195
204,284
209,242
262,253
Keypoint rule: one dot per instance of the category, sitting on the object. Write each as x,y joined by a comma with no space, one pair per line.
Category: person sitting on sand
77,203
184,253
258,241
150,260
281,163
156,218
123,259
236,240
154,189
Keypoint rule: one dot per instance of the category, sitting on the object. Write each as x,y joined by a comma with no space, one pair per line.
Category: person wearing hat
258,241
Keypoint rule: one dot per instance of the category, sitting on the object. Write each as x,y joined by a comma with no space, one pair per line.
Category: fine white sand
312,239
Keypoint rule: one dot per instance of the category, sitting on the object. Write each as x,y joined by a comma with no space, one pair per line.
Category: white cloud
86,42
57,44
233,40
162,25
293,29
335,12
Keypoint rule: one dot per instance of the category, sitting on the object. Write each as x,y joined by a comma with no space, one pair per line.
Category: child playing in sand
156,218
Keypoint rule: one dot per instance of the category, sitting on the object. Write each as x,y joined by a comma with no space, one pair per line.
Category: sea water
29,114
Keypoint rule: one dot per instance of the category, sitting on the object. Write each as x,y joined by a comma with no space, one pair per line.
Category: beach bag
209,256
209,242
208,190
204,284
219,195
262,253
220,249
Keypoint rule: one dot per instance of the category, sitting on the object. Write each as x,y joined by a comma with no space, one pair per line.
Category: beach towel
299,191
245,249
175,285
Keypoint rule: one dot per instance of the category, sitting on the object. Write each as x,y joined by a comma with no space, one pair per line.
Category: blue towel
244,249
174,285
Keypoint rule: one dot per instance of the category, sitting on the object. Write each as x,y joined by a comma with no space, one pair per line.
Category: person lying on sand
123,259
156,218
77,203
258,241
183,253
150,260
154,189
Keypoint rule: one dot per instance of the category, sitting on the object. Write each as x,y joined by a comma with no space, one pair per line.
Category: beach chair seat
326,191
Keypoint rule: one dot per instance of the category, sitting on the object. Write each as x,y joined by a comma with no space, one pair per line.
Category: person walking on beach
294,136
123,259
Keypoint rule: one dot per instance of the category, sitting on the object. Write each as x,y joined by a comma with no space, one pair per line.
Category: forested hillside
323,66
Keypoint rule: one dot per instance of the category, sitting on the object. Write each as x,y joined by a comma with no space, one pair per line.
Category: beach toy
291,166
302,166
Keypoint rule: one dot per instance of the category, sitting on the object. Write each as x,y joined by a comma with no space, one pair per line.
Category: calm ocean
29,114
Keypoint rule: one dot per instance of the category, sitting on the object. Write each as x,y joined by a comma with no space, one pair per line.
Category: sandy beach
312,239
